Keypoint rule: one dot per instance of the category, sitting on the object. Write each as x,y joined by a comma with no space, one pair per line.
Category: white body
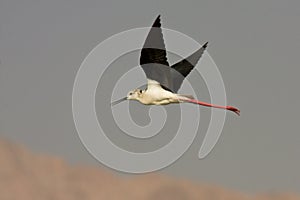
155,95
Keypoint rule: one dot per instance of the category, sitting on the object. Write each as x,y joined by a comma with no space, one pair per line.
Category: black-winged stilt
164,80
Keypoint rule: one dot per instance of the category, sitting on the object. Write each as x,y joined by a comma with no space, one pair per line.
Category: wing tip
157,22
205,45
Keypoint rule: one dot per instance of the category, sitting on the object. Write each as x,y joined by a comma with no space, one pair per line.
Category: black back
154,61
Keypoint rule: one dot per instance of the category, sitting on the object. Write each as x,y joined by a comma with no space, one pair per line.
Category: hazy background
255,44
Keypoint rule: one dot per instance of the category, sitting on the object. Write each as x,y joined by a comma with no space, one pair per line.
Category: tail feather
187,96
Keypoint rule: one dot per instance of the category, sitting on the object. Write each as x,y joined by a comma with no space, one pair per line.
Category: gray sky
254,43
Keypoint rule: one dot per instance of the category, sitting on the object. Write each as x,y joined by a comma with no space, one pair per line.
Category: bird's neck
144,98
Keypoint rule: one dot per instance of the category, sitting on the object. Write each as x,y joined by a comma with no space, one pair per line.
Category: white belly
158,96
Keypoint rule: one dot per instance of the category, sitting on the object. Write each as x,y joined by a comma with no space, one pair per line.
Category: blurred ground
28,176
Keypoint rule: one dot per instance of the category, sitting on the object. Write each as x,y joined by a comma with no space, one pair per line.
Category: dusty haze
28,176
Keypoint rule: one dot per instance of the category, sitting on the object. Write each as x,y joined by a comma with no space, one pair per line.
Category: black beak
118,101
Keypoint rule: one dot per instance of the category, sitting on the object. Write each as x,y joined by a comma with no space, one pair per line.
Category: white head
132,95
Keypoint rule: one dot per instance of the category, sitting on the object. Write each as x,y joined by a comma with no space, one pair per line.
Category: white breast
155,94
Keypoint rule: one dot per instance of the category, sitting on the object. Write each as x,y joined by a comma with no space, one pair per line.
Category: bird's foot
233,109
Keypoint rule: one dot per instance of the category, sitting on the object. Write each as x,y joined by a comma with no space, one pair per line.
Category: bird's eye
130,93
140,91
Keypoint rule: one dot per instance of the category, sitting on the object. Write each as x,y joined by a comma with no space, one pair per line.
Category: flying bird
164,80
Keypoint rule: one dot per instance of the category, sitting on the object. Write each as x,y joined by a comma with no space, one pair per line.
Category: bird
163,80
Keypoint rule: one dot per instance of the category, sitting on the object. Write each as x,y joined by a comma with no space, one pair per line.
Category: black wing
153,57
184,67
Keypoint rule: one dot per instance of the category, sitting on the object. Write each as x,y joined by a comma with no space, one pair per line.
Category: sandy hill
28,176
